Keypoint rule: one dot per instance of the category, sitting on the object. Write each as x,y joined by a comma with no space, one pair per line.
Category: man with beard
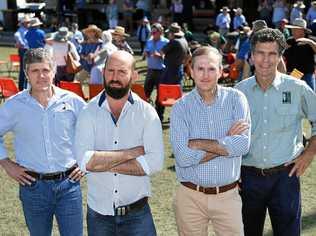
119,143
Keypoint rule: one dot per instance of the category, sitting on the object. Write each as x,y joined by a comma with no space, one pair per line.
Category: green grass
163,188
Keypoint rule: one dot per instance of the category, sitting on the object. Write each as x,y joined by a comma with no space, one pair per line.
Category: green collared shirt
276,131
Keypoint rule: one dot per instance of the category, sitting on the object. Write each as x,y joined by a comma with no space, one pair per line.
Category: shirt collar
276,82
198,96
102,98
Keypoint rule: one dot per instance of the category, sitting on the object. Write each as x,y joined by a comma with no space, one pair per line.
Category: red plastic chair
139,90
14,63
74,87
168,94
95,89
8,88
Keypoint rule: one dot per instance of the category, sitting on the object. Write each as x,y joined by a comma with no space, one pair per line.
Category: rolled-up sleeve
309,106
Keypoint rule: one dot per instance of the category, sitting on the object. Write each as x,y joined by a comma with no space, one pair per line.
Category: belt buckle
121,211
262,172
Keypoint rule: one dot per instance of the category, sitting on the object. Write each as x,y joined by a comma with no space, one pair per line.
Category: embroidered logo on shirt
286,97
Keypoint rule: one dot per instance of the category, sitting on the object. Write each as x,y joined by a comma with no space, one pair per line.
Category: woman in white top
60,45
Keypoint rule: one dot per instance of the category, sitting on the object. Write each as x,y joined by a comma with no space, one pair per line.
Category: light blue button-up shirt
239,21
276,135
223,21
43,137
156,63
191,118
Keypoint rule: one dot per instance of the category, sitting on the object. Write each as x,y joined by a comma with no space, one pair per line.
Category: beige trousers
195,210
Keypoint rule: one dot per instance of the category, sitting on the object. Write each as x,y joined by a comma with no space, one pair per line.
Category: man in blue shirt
209,131
155,61
277,158
42,120
35,36
223,21
21,44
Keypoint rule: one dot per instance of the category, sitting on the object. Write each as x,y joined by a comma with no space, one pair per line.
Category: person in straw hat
300,53
297,11
223,21
60,45
119,39
35,36
22,46
90,47
176,54
239,19
311,13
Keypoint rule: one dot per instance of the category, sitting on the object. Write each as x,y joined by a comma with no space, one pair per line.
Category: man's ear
135,76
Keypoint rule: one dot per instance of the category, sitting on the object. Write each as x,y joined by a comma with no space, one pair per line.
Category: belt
51,176
123,210
268,171
211,190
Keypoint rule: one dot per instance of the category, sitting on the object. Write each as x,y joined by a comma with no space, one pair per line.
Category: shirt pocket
287,116
64,124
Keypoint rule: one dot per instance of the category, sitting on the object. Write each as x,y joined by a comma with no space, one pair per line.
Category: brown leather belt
268,171
211,190
123,210
51,176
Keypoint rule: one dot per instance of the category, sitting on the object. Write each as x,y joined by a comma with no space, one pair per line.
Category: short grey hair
38,55
207,50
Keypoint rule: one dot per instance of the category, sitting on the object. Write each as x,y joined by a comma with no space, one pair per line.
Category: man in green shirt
277,158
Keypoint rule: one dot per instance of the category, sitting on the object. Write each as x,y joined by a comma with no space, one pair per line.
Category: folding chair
14,63
168,94
7,88
74,87
139,90
95,89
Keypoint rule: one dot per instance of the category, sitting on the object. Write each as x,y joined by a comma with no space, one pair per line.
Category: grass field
164,185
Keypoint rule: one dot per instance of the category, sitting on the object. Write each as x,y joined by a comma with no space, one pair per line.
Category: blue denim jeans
46,198
135,223
278,193
310,80
22,79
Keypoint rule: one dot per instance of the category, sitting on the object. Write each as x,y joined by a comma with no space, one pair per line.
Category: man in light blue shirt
223,21
155,61
42,120
209,131
22,46
239,19
277,158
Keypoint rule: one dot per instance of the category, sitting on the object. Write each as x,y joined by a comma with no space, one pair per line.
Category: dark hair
207,50
268,35
38,55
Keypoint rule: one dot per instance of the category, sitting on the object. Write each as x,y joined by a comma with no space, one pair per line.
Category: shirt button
265,121
115,191
265,94
264,147
115,142
265,108
264,160
264,134
115,174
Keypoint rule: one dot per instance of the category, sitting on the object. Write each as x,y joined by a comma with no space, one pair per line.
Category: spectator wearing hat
311,13
297,11
280,11
60,45
89,49
239,19
285,31
35,37
176,53
155,62
223,21
112,14
108,48
77,36
143,33
22,46
119,39
300,52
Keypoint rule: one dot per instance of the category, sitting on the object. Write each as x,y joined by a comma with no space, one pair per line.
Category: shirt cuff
86,158
224,142
142,161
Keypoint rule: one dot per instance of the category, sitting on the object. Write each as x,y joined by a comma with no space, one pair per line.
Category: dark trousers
279,194
22,79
